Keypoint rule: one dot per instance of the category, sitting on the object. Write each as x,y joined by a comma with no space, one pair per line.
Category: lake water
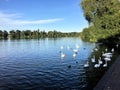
37,65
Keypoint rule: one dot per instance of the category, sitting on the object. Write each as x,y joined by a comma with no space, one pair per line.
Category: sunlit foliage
103,17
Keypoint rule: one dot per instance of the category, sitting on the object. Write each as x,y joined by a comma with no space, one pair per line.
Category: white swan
75,50
77,46
105,65
107,54
112,50
87,64
62,55
93,59
103,54
106,49
107,59
100,61
117,45
96,49
97,65
92,51
74,55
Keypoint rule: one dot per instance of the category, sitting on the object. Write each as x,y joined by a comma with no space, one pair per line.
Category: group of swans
99,63
106,56
75,51
62,54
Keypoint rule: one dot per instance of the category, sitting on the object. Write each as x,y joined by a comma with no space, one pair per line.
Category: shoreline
111,78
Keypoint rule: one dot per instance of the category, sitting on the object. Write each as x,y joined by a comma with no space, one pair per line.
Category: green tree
12,34
103,17
101,13
1,34
5,34
18,34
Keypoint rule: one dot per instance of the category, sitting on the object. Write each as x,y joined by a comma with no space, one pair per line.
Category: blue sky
60,15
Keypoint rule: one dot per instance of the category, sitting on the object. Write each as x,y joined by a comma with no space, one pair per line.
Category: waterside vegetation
103,17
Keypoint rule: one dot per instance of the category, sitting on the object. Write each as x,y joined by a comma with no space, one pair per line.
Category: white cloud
37,21
14,19
7,0
4,15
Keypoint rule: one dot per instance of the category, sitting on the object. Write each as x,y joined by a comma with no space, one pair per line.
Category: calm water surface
37,65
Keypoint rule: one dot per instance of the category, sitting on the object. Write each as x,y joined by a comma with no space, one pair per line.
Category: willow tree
103,14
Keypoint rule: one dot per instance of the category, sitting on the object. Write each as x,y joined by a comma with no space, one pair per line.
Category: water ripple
36,65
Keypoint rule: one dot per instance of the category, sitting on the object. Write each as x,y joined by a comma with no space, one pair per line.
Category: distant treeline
28,34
